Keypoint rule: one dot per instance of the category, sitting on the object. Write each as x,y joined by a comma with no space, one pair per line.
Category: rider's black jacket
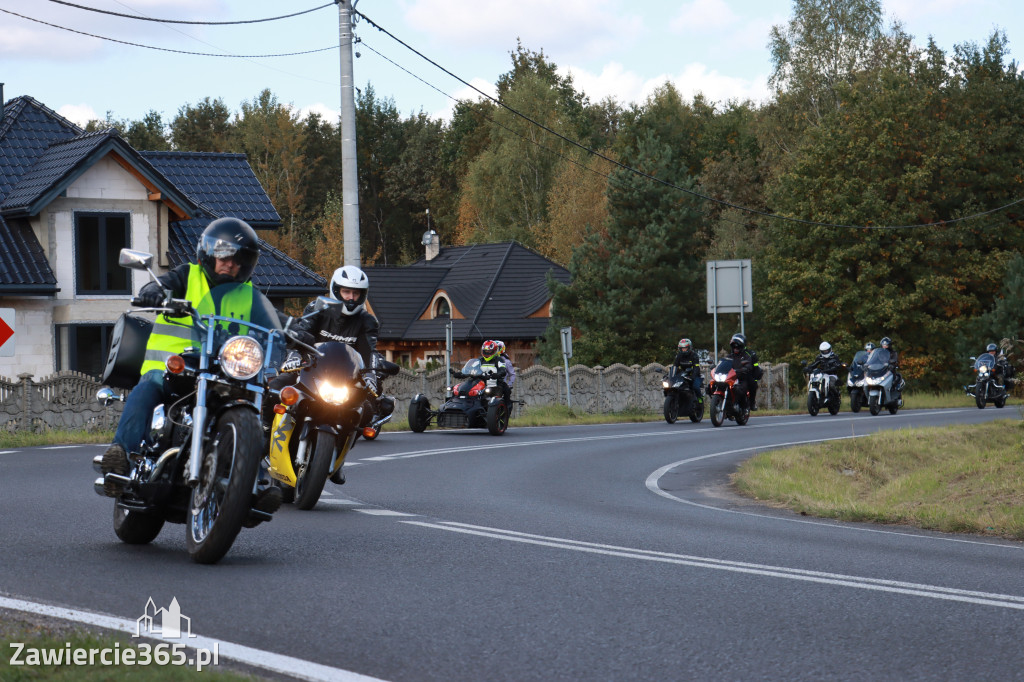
330,324
826,363
742,362
686,359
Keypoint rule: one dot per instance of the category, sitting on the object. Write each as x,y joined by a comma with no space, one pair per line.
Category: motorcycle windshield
878,362
337,363
235,309
985,360
724,366
473,368
860,358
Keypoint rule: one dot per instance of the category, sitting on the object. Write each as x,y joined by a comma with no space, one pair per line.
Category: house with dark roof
71,200
486,291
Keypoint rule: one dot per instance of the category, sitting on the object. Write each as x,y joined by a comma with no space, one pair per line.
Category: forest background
879,192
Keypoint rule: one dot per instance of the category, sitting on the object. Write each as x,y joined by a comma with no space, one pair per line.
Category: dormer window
442,308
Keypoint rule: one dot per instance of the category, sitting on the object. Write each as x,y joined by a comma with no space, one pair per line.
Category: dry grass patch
954,479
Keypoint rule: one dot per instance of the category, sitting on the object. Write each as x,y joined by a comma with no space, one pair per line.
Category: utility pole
349,168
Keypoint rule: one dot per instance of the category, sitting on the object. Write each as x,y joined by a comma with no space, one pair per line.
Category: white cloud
79,113
326,113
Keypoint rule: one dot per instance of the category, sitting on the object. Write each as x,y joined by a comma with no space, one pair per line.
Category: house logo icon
163,623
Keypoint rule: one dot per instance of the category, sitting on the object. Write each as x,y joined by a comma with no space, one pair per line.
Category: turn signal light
289,395
175,364
280,409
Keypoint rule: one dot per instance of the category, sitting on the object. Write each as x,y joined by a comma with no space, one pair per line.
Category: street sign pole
566,354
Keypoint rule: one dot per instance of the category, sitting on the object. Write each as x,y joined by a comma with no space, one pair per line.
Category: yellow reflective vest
172,336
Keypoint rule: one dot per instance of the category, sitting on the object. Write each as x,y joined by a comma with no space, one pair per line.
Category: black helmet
738,341
228,238
991,348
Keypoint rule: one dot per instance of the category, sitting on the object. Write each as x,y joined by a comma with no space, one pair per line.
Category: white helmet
350,277
825,348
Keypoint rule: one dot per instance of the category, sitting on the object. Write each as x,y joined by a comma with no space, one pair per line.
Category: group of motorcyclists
745,362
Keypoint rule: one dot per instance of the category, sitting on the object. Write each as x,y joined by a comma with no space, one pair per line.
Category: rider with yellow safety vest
227,253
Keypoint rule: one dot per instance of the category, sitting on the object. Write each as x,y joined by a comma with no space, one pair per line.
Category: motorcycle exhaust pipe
97,485
97,464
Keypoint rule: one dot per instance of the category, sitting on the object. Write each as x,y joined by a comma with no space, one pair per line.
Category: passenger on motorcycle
227,252
510,377
828,362
686,360
894,362
743,363
1003,369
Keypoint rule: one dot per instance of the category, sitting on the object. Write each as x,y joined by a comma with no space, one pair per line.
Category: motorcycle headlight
874,381
983,370
859,382
241,357
664,384
721,377
335,395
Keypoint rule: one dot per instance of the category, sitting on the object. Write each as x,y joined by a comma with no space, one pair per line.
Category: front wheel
136,527
717,410
497,418
671,409
222,499
311,477
855,402
979,396
874,405
812,404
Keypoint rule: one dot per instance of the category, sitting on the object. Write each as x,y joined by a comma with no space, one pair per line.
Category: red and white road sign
6,332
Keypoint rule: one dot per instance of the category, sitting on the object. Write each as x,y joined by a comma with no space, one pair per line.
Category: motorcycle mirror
136,260
105,396
324,302
972,358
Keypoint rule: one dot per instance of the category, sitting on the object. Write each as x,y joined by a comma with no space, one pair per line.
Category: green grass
954,479
54,635
24,439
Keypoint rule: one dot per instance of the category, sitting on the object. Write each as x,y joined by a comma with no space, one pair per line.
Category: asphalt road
609,552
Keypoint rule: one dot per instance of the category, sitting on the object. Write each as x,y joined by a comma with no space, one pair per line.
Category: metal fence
67,400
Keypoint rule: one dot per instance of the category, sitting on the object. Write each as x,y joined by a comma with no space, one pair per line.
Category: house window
442,308
99,238
83,347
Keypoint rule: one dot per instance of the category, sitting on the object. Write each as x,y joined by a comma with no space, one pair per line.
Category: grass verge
25,439
961,479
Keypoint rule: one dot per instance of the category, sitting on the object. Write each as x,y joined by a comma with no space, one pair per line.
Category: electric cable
764,214
177,21
167,49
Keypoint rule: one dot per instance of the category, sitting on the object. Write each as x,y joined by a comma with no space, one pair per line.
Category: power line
177,21
774,216
167,49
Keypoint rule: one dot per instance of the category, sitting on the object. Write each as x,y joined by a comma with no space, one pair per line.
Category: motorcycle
880,382
823,391
478,402
855,381
200,463
317,420
985,388
381,407
680,396
725,398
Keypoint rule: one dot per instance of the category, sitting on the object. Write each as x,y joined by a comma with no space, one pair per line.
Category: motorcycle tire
979,397
497,418
893,408
136,527
697,413
418,416
742,415
834,404
1000,402
217,510
855,404
812,405
310,480
717,410
671,409
874,405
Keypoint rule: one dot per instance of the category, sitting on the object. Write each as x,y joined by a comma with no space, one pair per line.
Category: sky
622,50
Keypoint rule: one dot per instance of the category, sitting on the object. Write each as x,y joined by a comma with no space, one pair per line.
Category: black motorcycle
680,395
855,381
380,407
200,463
986,388
480,401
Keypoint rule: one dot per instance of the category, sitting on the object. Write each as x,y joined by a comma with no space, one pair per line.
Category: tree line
865,132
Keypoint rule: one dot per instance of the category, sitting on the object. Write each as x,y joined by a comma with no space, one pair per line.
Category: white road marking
285,665
339,502
1006,601
384,512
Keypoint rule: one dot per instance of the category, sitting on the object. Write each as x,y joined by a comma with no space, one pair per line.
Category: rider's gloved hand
151,295
370,379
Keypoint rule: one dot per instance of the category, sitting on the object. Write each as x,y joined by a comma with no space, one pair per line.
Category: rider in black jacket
827,361
894,362
743,363
350,322
687,360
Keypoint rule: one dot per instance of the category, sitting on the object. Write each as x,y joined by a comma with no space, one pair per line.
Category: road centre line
837,579
284,665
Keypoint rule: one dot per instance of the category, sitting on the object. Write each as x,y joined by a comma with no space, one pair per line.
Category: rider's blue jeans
138,410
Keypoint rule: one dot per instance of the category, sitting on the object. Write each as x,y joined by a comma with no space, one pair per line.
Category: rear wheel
893,407
497,418
418,415
221,501
834,403
1001,401
671,409
311,477
698,410
812,404
742,414
874,405
136,527
717,410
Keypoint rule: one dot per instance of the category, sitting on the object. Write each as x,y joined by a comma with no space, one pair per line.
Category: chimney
433,244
